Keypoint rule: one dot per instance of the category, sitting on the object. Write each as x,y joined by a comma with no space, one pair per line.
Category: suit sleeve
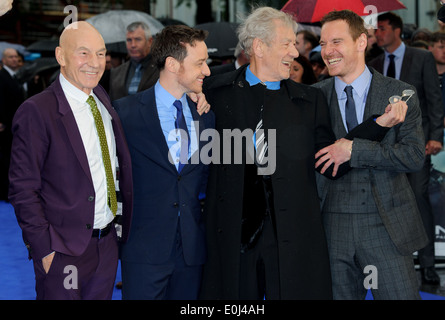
433,94
402,150
27,157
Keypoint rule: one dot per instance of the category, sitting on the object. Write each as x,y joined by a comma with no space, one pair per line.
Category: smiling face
194,68
275,59
81,56
343,56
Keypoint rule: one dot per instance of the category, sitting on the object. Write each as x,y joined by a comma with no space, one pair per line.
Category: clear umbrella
112,25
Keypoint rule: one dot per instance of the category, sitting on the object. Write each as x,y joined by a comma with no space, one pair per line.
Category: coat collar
237,78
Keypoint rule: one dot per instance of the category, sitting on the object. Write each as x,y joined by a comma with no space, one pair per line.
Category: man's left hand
200,100
337,154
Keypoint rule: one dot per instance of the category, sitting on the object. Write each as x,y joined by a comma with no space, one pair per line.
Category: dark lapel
406,64
334,109
149,113
69,122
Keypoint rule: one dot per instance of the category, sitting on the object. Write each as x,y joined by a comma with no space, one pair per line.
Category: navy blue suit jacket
159,190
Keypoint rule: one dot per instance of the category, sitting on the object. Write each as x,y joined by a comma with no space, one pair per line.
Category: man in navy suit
164,255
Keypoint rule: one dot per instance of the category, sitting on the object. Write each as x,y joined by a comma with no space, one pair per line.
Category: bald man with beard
61,185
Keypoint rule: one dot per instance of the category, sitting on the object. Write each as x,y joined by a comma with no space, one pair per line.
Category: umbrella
171,22
314,10
46,46
112,25
5,45
222,39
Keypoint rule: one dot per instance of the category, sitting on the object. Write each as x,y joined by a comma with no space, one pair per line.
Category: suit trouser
259,268
172,280
419,182
361,253
90,276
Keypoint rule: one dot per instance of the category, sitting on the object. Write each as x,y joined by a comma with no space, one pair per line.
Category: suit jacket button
175,205
91,198
88,226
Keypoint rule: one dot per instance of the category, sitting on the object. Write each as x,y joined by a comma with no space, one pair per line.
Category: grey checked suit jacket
419,70
379,168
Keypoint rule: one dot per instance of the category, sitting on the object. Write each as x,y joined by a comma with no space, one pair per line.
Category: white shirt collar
74,92
10,71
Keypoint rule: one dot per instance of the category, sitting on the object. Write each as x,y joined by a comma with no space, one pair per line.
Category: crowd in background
137,72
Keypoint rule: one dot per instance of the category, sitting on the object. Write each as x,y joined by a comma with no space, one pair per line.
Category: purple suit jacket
51,187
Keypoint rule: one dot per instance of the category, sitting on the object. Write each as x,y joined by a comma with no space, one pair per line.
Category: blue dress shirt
360,88
253,80
167,115
399,54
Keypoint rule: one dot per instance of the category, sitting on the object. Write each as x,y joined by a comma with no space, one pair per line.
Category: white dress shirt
87,128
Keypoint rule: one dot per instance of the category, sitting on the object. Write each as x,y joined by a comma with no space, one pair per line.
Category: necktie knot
91,101
178,105
348,90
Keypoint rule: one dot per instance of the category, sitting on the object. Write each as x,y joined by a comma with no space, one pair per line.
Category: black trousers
259,267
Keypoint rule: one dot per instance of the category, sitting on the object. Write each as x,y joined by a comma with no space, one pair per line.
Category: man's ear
171,64
257,47
60,56
362,42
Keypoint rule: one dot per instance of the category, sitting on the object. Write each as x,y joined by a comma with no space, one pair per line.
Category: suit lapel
199,127
406,64
378,95
72,130
149,114
334,110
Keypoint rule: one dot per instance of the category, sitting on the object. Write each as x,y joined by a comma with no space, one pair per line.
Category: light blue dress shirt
253,80
399,53
167,116
360,88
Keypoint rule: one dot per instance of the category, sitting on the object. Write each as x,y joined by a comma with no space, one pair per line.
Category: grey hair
134,25
260,24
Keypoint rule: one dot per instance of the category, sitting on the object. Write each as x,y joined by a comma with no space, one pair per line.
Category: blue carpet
17,273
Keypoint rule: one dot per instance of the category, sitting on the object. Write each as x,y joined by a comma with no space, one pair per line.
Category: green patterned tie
112,202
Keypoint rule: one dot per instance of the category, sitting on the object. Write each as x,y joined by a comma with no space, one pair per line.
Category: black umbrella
44,46
38,66
222,39
171,22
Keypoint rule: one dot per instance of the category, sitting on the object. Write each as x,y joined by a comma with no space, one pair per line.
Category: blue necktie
391,72
134,84
351,115
185,137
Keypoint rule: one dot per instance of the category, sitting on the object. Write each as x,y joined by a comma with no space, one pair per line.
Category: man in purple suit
68,142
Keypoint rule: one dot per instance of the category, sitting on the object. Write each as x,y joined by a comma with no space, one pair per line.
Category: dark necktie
111,189
391,72
185,137
351,115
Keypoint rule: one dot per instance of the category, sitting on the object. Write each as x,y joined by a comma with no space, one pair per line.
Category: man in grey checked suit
370,215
